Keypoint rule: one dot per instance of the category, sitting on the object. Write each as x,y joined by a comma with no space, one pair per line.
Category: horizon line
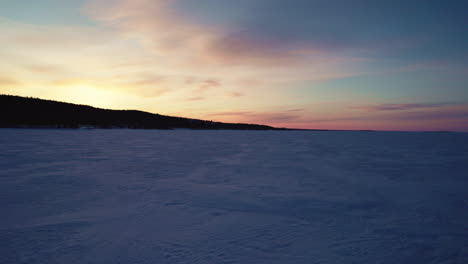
286,128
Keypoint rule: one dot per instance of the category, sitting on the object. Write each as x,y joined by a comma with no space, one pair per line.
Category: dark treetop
16,111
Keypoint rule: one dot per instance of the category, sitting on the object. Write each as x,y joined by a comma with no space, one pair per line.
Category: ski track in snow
182,196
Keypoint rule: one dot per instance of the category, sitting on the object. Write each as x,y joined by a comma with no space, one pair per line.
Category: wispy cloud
44,68
8,81
257,116
197,98
235,94
148,80
277,117
208,84
187,43
447,112
400,107
231,113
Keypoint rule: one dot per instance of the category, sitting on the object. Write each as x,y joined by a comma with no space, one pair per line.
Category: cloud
180,40
197,98
199,88
249,82
208,84
235,94
257,117
277,117
434,115
5,81
400,107
148,81
58,38
448,112
231,113
44,69
154,92
140,85
147,85
60,58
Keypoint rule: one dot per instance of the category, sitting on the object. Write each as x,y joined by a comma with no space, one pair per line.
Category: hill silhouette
17,111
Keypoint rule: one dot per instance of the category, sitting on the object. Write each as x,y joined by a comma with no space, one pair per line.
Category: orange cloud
5,81
208,84
44,69
196,98
235,94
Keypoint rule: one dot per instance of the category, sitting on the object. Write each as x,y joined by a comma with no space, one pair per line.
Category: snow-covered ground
182,196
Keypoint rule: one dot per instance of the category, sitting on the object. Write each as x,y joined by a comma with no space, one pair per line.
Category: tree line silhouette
17,111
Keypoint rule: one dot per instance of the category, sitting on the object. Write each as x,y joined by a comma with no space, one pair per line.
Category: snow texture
183,196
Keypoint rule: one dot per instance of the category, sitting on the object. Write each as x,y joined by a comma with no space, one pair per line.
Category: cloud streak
183,41
208,84
8,81
255,117
459,112
400,107
235,94
197,98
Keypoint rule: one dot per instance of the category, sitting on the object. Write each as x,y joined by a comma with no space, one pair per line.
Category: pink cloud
44,68
270,117
196,98
402,117
235,94
398,107
449,117
208,84
176,37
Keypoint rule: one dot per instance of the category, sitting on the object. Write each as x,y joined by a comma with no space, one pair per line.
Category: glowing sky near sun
364,64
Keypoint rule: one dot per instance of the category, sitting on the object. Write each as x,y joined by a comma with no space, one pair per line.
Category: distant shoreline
34,113
27,112
201,129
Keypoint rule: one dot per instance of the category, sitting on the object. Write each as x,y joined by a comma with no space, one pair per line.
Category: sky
318,64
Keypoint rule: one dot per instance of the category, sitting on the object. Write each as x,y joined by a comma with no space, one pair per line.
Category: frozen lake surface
181,196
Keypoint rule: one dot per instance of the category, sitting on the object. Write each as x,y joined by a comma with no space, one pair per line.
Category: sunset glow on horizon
378,65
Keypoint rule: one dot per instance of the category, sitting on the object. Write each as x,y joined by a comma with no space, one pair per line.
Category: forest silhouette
17,111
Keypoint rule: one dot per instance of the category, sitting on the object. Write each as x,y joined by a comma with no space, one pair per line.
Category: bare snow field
184,196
